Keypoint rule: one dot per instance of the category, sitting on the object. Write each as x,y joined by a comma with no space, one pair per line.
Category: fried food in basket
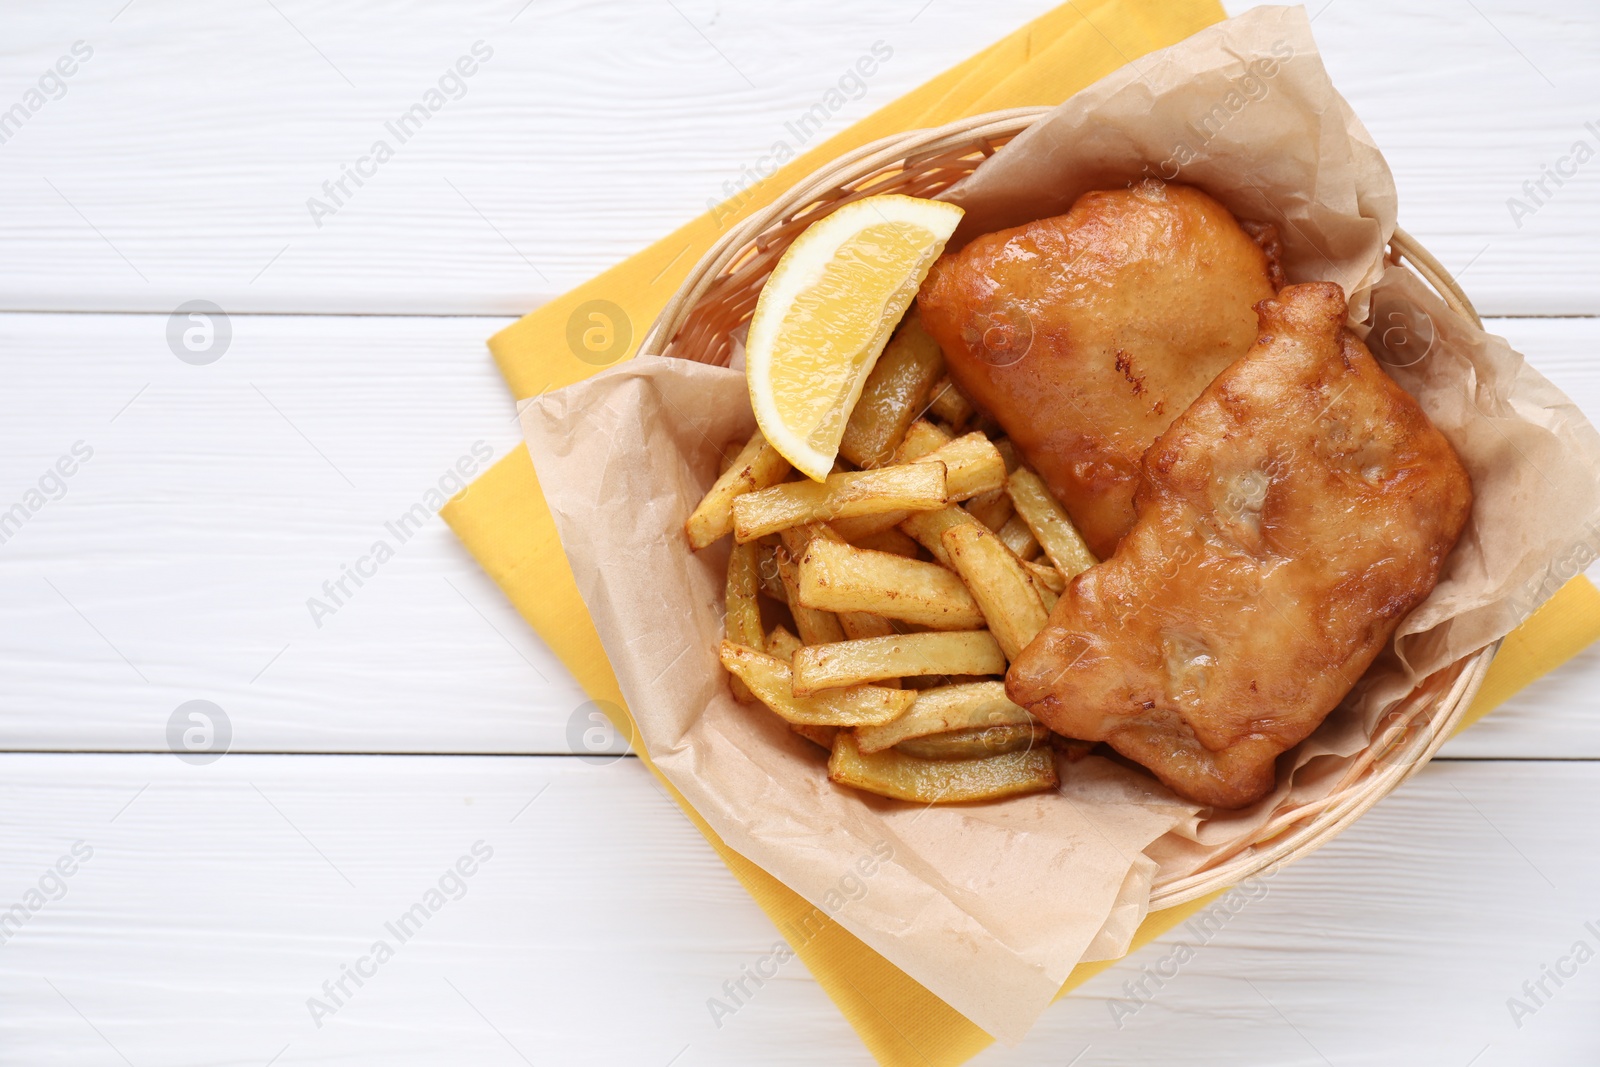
757,466
946,710
841,577
903,489
1086,334
768,677
1286,522
1271,504
894,393
874,659
933,781
892,670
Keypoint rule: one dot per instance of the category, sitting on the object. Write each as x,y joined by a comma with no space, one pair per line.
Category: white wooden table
421,725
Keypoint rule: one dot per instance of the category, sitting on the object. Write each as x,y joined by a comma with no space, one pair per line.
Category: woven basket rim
1289,836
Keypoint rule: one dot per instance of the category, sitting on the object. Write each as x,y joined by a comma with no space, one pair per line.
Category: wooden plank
1400,942
219,499
168,173
218,899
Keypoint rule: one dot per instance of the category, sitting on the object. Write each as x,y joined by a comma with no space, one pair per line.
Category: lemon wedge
826,312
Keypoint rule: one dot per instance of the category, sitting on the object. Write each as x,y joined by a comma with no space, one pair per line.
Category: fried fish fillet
1086,334
1286,522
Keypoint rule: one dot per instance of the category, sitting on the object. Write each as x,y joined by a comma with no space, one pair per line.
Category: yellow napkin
503,521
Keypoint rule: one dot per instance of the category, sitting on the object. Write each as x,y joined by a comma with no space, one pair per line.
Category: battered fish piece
1086,334
1287,521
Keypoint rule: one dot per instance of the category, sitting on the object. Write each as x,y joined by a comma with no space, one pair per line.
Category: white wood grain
602,923
180,161
178,562
193,539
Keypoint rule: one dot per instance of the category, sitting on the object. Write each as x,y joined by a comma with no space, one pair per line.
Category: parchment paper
991,905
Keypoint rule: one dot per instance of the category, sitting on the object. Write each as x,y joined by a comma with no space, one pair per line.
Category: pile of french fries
913,575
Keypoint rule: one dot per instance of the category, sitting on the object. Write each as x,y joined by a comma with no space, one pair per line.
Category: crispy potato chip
1000,584
840,577
974,743
899,656
937,781
757,466
770,679
1048,521
906,487
975,705
894,394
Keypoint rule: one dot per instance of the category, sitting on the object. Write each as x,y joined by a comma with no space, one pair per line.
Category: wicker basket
720,293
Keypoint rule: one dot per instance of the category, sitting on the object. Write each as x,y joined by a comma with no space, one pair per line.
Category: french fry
1048,521
816,627
928,527
1000,584
972,466
948,405
992,509
894,393
770,679
841,577
767,572
905,487
1018,538
818,735
929,781
757,466
899,656
976,705
921,438
796,539
1045,579
855,624
1008,452
863,625
742,620
783,644
975,743
1045,576
890,540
